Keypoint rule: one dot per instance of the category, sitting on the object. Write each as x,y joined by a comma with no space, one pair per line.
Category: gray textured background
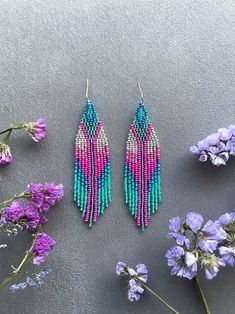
182,51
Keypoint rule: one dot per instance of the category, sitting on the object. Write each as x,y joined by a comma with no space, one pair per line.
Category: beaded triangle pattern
142,181
92,187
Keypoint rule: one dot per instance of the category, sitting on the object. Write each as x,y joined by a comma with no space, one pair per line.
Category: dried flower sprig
137,279
24,212
201,246
37,130
217,146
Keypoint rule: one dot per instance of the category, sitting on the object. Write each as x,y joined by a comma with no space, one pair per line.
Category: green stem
16,272
201,294
15,197
160,299
14,127
6,138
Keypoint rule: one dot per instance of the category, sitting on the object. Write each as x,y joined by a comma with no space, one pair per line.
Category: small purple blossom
174,227
5,154
194,221
227,255
217,146
52,195
32,216
13,212
36,191
136,278
211,264
121,268
37,129
226,219
134,290
43,244
210,236
183,263
16,287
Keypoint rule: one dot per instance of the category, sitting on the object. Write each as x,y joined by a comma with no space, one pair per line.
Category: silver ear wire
87,87
141,93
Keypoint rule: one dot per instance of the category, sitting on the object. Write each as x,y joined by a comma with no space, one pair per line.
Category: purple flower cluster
136,278
5,154
43,244
34,282
217,146
37,129
200,245
27,215
45,195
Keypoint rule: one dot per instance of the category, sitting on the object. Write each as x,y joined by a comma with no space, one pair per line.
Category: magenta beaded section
92,186
142,176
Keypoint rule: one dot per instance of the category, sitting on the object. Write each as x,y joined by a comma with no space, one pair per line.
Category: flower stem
25,260
14,127
160,299
6,138
201,294
24,194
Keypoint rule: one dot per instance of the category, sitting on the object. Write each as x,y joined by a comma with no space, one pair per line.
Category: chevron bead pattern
142,181
92,188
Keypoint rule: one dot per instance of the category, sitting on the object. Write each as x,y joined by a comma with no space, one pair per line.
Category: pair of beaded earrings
92,176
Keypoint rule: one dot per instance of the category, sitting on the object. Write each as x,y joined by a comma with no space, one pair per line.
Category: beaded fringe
142,178
92,186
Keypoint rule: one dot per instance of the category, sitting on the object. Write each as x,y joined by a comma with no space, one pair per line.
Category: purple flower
36,191
226,133
43,244
33,218
174,227
226,219
175,224
16,287
121,268
37,129
52,195
218,146
13,212
136,278
5,154
227,255
211,264
34,282
134,290
184,264
142,272
220,159
194,221
203,157
231,146
194,150
45,196
211,235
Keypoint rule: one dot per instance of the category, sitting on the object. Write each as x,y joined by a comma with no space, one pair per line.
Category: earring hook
87,87
141,93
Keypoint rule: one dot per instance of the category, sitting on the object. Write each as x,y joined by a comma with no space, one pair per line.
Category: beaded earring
92,186
142,178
